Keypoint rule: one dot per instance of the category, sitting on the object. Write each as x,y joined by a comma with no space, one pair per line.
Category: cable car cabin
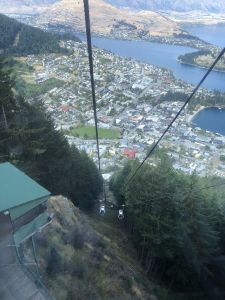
120,214
23,201
102,210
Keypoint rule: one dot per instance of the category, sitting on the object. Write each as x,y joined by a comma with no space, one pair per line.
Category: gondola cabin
23,201
102,210
120,214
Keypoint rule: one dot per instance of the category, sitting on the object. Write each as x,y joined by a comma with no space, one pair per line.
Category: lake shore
164,56
195,112
198,66
198,110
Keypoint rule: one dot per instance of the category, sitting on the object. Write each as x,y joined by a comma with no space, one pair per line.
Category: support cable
177,115
91,69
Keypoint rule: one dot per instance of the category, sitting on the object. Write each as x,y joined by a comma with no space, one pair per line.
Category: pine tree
173,222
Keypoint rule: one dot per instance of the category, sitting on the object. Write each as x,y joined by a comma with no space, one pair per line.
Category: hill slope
174,5
18,3
85,257
17,38
107,19
203,59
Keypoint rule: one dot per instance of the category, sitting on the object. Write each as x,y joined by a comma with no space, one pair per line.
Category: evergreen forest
189,58
177,223
206,57
19,39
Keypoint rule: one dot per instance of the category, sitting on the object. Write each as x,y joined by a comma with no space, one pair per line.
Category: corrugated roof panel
16,188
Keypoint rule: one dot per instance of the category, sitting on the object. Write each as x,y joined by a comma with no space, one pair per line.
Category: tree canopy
176,223
19,39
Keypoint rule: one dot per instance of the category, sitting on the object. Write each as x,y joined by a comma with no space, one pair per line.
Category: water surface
214,34
212,119
161,55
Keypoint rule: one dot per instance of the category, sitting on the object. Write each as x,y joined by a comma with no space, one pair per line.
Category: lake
214,34
162,55
212,119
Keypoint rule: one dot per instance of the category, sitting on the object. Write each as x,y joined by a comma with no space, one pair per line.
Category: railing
34,277
38,282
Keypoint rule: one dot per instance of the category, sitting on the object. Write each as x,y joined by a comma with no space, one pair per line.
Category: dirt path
17,38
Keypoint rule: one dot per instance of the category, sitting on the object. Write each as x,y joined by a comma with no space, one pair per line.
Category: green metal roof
16,188
31,228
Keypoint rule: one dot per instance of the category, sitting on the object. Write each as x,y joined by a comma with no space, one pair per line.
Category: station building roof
16,188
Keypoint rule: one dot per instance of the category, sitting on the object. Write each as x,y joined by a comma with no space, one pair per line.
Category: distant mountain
108,20
174,5
27,2
24,6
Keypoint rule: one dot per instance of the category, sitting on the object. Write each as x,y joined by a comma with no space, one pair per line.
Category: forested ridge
177,225
203,58
29,140
19,39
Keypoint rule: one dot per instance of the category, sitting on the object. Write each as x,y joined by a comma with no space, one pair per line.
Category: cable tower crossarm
177,115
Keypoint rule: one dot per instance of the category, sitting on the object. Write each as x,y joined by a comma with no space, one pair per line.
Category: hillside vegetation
204,58
177,225
82,257
108,20
20,39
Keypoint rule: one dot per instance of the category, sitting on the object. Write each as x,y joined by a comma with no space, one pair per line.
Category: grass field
88,132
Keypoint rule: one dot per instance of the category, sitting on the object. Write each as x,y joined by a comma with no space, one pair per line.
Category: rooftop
16,188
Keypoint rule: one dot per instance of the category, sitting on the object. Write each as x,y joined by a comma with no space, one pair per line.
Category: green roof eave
16,188
31,228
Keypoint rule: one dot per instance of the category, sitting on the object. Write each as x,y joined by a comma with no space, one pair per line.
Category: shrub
96,240
76,237
96,257
79,270
54,263
78,266
41,240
